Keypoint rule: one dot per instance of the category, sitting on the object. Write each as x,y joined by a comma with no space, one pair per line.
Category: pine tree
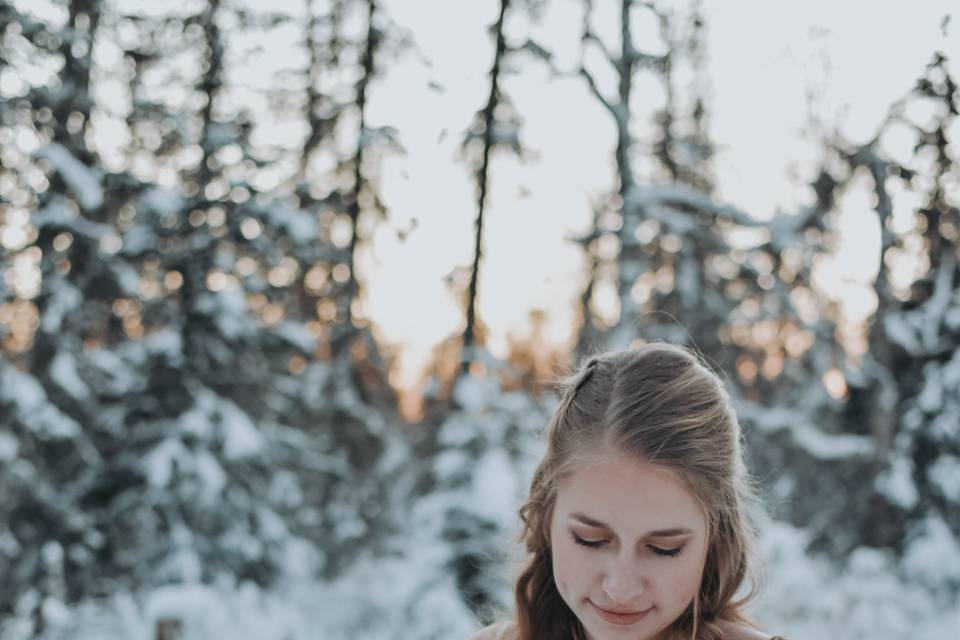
886,434
908,392
475,437
192,427
693,270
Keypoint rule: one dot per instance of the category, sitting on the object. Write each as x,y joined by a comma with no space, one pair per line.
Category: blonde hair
659,404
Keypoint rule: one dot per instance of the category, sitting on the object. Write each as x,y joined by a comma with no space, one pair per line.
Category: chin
598,628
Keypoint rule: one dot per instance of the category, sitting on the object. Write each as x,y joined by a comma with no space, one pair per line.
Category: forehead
629,494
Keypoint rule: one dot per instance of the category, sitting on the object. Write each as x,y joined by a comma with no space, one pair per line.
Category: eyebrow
659,533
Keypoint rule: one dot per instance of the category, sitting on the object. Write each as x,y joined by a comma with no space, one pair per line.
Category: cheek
683,582
561,567
570,572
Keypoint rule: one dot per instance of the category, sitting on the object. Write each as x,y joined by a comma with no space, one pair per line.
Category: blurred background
284,288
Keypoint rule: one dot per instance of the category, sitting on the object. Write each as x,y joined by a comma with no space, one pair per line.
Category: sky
764,60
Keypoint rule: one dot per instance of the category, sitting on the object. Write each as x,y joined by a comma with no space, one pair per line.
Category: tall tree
192,426
693,270
905,392
485,134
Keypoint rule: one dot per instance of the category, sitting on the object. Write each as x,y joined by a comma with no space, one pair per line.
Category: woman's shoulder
496,631
487,633
739,631
731,631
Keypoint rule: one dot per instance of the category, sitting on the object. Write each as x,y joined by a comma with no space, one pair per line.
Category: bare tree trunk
631,262
344,331
318,58
168,629
489,121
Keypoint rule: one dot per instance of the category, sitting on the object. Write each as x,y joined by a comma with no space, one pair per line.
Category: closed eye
587,543
593,544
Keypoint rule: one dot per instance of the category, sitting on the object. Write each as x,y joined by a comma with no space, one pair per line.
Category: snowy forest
202,432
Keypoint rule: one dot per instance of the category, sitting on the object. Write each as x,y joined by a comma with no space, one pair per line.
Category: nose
624,585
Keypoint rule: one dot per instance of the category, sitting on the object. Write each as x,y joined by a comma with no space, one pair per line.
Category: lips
621,617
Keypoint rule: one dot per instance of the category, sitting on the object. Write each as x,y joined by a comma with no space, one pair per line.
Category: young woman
635,524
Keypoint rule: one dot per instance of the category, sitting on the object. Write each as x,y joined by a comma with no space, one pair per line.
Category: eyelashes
593,544
587,543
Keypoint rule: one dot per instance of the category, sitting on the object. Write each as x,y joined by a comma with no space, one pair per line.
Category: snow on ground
408,591
407,595
872,598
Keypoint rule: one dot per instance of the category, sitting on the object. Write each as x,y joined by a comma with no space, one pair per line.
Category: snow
162,200
63,371
935,307
219,134
495,488
8,449
228,309
632,268
210,415
897,484
449,463
674,220
931,396
681,195
55,611
285,489
159,463
405,595
241,437
81,179
213,479
474,394
182,564
31,406
113,368
166,342
900,330
60,214
197,421
390,137
817,443
198,608
138,239
918,330
407,590
127,279
64,298
945,426
301,226
827,446
688,281
945,474
156,202
407,585
297,335
869,598
933,556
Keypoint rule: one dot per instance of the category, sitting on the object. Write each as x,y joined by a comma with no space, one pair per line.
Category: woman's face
626,537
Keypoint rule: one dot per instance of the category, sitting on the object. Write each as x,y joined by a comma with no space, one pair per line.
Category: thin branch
596,91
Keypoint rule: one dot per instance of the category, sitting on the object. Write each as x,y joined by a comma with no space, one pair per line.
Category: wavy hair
659,404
